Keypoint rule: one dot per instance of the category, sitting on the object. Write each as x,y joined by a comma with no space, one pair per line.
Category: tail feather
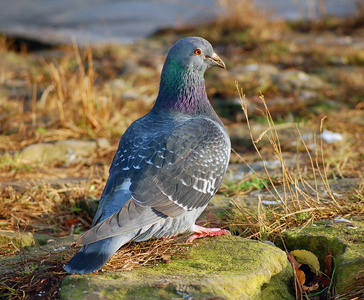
93,257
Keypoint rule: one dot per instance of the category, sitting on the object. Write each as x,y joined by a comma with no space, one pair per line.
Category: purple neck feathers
182,90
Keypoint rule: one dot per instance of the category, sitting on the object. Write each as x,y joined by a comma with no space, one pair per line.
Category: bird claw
202,232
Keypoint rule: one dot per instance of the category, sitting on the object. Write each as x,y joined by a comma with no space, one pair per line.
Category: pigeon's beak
216,60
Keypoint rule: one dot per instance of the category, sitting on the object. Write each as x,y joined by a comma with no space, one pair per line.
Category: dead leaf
308,258
301,277
310,288
72,222
325,281
293,261
328,264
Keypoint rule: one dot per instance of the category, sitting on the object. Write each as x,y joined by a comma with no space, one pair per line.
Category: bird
168,166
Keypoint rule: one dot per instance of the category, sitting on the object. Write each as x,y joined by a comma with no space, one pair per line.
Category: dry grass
302,195
35,278
355,291
3,44
45,208
135,255
41,276
244,15
63,100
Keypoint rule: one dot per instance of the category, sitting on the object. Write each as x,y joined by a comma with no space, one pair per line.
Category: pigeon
168,166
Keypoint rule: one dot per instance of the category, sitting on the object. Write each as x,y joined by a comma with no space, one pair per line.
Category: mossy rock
227,267
67,150
19,239
345,241
35,246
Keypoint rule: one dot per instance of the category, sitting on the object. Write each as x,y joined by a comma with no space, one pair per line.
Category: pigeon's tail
93,257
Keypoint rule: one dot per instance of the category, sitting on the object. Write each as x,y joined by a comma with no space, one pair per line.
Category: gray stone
339,187
254,71
260,74
292,80
68,150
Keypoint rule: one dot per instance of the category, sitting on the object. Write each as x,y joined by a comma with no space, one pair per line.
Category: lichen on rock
228,267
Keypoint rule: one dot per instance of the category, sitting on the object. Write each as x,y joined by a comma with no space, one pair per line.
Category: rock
292,80
259,74
339,187
237,172
23,185
68,150
19,239
225,267
331,137
345,239
42,239
262,72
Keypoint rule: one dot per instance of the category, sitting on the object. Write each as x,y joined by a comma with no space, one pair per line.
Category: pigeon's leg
202,231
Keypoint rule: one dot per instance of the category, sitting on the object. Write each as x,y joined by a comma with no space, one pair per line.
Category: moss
346,244
279,287
41,239
154,292
75,287
230,267
19,239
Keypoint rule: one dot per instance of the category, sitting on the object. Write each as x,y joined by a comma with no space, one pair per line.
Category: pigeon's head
182,86
194,53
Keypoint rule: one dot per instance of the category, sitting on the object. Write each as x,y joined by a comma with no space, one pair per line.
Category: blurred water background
125,21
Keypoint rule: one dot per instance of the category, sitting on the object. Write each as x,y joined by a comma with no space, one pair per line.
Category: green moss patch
229,267
344,240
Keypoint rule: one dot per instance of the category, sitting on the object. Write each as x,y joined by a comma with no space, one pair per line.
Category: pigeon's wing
170,173
186,168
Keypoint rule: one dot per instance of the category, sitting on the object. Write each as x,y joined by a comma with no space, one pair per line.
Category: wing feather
172,166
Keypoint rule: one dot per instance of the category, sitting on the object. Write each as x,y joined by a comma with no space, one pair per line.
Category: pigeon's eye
197,51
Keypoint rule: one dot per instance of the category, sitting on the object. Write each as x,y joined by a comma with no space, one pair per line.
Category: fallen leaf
328,264
301,277
310,288
308,258
325,281
72,222
293,261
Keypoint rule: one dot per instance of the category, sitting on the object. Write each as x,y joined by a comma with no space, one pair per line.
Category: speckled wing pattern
173,167
184,168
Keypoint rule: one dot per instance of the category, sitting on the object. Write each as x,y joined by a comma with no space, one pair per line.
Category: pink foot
202,231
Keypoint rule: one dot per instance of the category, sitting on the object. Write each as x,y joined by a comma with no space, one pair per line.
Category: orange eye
197,51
